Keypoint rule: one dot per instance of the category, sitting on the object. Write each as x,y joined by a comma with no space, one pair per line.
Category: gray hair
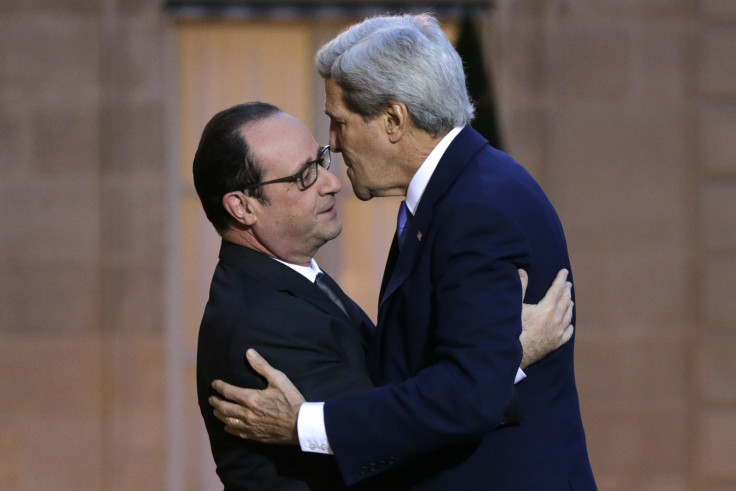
405,59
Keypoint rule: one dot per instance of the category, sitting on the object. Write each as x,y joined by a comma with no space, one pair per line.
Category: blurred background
624,110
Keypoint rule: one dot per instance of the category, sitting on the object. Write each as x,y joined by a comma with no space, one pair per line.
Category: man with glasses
268,293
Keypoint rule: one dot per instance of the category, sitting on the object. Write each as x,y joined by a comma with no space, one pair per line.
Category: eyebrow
308,161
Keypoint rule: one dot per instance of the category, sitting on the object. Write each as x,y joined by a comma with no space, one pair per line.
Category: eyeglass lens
310,174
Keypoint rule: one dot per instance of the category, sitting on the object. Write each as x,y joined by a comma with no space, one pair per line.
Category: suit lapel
270,272
278,276
393,255
399,264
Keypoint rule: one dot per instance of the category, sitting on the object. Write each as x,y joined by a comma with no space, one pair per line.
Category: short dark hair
224,162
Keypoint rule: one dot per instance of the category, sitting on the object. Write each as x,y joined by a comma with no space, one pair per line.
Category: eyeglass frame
324,159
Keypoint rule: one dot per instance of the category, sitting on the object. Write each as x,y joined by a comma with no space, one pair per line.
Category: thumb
524,282
261,366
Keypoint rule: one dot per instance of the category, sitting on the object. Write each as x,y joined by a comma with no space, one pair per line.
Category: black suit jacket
257,302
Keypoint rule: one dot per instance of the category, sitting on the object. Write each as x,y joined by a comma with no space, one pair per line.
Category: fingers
567,335
227,411
235,427
524,277
565,299
231,392
567,318
556,292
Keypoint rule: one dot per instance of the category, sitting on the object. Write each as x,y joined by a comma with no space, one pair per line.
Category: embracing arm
546,326
270,416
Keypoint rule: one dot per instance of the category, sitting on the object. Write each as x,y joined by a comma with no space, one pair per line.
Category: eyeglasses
305,177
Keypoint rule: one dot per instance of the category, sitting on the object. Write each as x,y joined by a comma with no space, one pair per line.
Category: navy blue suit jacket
447,349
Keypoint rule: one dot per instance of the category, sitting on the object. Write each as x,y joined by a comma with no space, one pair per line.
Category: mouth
331,208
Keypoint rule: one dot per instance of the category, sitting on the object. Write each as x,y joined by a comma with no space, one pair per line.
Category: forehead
334,105
280,140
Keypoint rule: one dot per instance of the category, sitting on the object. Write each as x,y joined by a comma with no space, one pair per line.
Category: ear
396,120
240,207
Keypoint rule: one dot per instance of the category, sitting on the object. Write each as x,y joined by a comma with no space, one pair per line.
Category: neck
247,238
417,145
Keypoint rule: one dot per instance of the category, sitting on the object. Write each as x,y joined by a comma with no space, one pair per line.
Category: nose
329,184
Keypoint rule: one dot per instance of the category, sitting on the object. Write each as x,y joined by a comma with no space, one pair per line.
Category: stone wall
82,195
624,110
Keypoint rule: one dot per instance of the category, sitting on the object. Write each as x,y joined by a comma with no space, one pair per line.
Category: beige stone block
719,486
716,142
66,142
133,139
133,221
525,127
10,443
631,294
54,60
716,366
518,52
717,439
718,214
633,377
624,8
637,451
718,272
589,61
666,481
717,63
200,246
50,411
192,466
58,6
525,8
622,169
15,138
660,68
132,299
136,411
49,297
718,10
53,220
60,452
50,374
134,63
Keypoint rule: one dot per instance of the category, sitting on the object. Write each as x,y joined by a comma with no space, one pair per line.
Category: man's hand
267,415
546,325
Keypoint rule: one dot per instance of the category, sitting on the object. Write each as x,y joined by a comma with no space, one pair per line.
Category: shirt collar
421,178
309,272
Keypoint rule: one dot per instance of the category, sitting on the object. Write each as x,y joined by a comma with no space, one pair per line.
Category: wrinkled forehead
281,141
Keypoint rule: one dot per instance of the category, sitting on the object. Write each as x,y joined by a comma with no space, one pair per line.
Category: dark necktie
330,288
401,223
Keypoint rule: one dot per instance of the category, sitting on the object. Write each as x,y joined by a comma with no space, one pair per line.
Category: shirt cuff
520,375
310,428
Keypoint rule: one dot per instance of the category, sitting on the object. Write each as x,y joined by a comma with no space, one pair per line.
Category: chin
363,194
333,233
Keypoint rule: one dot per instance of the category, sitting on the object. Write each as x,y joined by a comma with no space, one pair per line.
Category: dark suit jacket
257,302
447,348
